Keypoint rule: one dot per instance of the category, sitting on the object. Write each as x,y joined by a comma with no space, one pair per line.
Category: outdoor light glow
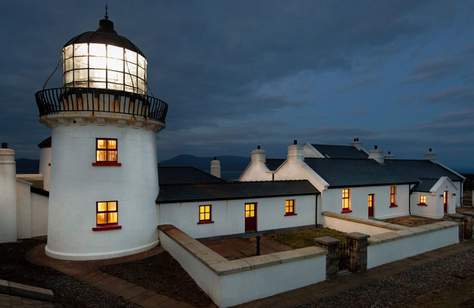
93,65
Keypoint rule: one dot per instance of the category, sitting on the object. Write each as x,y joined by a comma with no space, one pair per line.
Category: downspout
316,210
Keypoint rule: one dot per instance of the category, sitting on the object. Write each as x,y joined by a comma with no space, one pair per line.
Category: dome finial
106,11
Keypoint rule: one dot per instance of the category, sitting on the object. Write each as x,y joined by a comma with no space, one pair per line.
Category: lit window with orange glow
205,214
422,200
107,213
249,210
346,200
106,150
290,207
393,196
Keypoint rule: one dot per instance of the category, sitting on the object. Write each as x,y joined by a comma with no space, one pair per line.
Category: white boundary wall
235,282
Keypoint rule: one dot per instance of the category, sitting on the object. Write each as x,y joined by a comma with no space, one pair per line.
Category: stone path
88,271
368,289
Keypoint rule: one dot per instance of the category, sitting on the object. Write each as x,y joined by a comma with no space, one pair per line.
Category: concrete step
23,290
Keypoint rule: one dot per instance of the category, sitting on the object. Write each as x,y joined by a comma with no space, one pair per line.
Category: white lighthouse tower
104,176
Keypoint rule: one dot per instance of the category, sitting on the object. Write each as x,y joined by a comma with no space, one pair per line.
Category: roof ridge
236,182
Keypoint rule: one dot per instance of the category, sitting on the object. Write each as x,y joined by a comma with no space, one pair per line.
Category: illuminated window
106,213
422,200
393,196
445,197
346,200
106,150
205,214
104,66
249,210
290,207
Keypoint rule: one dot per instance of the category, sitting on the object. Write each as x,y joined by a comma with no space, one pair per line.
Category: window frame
421,202
254,209
290,207
345,197
205,221
393,196
106,163
106,226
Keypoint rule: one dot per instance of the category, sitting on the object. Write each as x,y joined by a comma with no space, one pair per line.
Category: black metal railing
56,100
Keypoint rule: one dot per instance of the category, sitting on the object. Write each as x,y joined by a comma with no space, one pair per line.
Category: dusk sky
399,74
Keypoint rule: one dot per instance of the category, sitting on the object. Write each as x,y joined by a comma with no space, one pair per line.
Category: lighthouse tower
104,176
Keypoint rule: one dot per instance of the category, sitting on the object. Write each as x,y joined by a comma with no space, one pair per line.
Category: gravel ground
444,282
68,291
162,274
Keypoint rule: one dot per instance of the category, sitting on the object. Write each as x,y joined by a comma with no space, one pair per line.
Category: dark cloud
462,95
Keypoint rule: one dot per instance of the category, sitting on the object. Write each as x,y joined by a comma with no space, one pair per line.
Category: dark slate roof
274,163
340,151
233,190
356,172
425,185
168,175
421,169
46,143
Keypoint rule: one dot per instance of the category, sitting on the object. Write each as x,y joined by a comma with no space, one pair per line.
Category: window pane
114,52
97,62
97,75
80,49
80,62
131,56
68,64
101,155
115,86
130,80
101,218
100,85
141,73
97,50
112,155
101,143
112,218
115,64
141,61
112,206
141,84
68,51
68,77
130,89
111,144
101,206
80,75
115,77
130,68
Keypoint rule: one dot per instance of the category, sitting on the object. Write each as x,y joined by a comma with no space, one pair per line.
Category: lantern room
104,59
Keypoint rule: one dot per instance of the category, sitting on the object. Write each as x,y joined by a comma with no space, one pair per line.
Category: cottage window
250,210
205,214
290,207
422,200
106,152
106,215
346,200
393,196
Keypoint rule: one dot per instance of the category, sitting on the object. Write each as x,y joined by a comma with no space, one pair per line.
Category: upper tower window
106,152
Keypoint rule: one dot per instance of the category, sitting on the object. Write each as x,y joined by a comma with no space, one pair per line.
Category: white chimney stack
216,167
258,155
389,155
376,154
8,232
430,155
295,152
45,162
357,144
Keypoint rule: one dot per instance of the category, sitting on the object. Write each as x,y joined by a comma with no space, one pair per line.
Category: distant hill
231,166
27,166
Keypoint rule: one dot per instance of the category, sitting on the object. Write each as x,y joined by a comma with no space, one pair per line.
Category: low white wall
352,224
235,282
392,247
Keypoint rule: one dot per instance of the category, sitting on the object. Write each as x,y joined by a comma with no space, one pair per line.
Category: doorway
250,217
371,204
445,201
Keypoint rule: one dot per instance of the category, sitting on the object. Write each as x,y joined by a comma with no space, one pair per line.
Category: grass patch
304,238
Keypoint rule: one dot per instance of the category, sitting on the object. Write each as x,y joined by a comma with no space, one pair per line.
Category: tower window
106,215
346,200
422,200
290,207
106,152
205,214
393,196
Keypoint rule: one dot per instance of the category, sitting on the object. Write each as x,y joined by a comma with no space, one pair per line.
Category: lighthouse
104,175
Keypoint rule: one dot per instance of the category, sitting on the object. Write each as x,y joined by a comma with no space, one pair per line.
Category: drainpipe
316,209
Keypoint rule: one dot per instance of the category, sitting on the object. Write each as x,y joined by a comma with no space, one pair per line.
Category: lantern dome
104,59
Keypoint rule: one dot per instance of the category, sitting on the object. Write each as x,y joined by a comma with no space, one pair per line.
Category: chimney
216,167
258,155
295,152
389,155
430,155
376,154
356,143
8,229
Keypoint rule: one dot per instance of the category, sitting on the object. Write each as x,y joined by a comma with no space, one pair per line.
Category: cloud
457,95
433,70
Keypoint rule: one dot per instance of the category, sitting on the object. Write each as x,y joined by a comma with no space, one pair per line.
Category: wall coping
221,266
370,222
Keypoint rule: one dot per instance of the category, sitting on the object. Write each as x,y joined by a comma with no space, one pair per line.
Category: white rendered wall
332,201
404,247
296,169
45,166
8,228
76,186
228,215
256,171
39,215
23,209
431,210
347,226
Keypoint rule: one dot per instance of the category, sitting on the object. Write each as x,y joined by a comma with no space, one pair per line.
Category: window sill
290,214
345,211
107,227
106,164
422,204
393,205
205,222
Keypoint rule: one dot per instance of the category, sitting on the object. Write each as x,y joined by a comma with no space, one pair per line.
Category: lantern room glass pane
98,62
130,68
131,56
80,62
68,64
115,64
115,77
97,50
115,86
130,80
141,85
97,75
68,77
80,49
141,61
141,73
80,75
114,52
68,51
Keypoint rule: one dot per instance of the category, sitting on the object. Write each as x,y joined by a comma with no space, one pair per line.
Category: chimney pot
216,167
4,145
295,141
258,147
376,147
